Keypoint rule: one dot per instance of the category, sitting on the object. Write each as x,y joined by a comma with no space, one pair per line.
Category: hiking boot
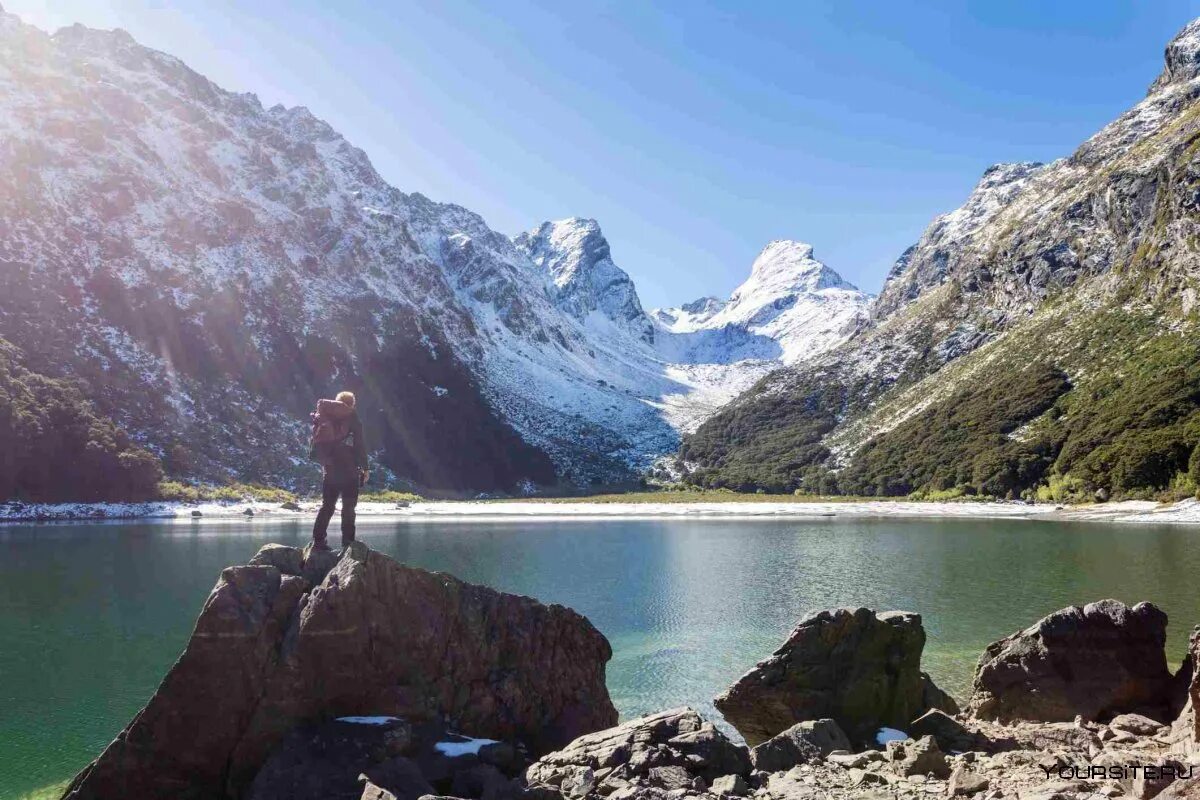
320,546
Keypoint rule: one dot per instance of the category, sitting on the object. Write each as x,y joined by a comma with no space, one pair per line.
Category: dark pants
329,498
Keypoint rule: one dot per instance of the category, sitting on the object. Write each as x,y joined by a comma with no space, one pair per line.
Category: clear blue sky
693,132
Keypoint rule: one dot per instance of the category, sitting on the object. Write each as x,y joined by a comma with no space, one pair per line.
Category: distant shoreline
1133,511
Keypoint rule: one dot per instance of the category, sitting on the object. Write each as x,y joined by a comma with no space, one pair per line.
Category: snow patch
462,747
369,720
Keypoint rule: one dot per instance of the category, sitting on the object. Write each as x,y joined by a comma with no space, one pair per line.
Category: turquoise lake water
92,615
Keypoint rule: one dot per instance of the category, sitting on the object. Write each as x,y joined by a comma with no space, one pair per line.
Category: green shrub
1135,429
230,493
1062,489
179,492
1182,486
941,495
389,496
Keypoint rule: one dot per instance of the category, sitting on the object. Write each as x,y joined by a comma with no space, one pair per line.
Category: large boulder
1185,695
802,743
271,651
859,668
1094,661
649,752
919,757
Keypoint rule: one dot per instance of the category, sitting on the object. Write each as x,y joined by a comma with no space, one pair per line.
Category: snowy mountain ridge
791,299
183,237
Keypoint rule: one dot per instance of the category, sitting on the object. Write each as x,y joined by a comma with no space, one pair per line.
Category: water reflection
91,616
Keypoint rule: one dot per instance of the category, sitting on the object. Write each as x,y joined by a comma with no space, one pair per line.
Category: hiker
335,424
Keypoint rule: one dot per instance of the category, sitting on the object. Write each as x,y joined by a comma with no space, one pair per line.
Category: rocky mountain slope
1039,339
204,267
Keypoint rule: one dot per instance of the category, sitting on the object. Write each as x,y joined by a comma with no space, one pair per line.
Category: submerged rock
271,651
1093,661
857,667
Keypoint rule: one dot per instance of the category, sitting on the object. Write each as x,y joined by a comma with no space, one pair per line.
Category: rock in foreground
663,752
272,650
655,758
1093,661
859,668
802,743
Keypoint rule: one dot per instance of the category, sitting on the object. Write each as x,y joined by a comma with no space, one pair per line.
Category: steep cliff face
209,266
584,279
1087,266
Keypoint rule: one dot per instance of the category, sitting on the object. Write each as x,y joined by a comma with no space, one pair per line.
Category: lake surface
92,615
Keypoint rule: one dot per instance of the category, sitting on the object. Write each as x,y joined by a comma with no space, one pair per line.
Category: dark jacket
342,460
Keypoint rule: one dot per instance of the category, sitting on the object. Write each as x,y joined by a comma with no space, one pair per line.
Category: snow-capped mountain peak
790,297
583,279
1182,57
784,267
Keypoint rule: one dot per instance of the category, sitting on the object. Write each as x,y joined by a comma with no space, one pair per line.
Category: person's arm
360,446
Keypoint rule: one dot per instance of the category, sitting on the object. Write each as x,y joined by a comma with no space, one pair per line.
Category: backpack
328,431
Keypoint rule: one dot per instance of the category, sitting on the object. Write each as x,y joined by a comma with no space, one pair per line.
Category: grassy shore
697,496
241,492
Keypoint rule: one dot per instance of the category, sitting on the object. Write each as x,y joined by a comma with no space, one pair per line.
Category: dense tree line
768,442
1136,429
964,442
1129,429
57,448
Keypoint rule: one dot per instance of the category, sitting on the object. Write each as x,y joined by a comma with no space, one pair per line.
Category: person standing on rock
337,442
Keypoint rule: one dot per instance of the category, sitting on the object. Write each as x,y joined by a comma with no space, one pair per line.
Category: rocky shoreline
321,675
1185,512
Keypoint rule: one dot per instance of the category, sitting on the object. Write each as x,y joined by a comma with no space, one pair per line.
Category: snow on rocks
462,746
